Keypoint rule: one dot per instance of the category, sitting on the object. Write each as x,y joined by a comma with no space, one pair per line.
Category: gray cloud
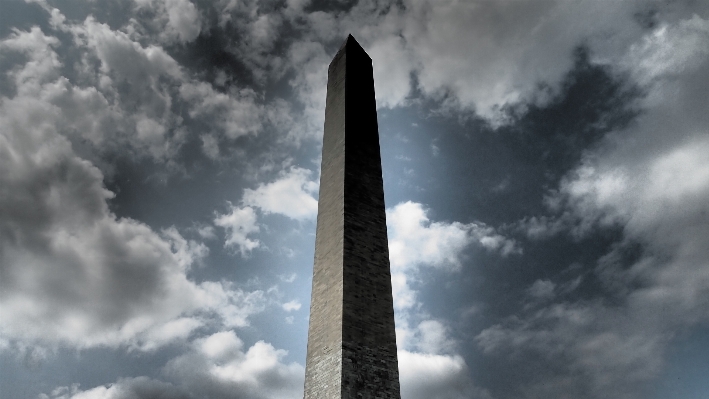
657,193
234,114
215,366
172,20
72,272
507,52
127,92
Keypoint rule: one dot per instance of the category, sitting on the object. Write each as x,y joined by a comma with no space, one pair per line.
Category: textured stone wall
352,314
324,357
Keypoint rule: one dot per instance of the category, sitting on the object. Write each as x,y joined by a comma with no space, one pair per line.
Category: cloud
309,60
415,240
260,29
404,295
429,363
391,85
235,114
656,194
139,97
218,367
215,366
486,57
118,91
432,376
73,272
290,195
291,305
617,352
71,262
543,227
126,388
139,77
434,337
481,57
542,289
486,70
42,63
288,278
175,20
239,223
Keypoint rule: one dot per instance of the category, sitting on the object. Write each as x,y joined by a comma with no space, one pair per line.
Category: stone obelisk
351,338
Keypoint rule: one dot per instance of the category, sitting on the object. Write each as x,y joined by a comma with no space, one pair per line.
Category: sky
546,175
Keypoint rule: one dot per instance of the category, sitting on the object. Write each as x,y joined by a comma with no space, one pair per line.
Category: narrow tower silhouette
351,338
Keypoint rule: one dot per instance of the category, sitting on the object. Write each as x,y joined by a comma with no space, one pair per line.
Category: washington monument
351,338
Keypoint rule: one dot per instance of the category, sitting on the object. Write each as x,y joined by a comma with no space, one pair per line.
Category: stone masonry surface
351,338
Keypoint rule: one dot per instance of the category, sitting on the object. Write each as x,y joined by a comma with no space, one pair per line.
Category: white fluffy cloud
434,337
218,366
291,305
290,195
434,376
392,86
415,240
239,223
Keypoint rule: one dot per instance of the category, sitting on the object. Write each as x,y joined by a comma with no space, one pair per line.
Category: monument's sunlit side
351,338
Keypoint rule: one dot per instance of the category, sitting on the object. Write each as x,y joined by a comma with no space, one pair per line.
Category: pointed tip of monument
352,44
349,41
